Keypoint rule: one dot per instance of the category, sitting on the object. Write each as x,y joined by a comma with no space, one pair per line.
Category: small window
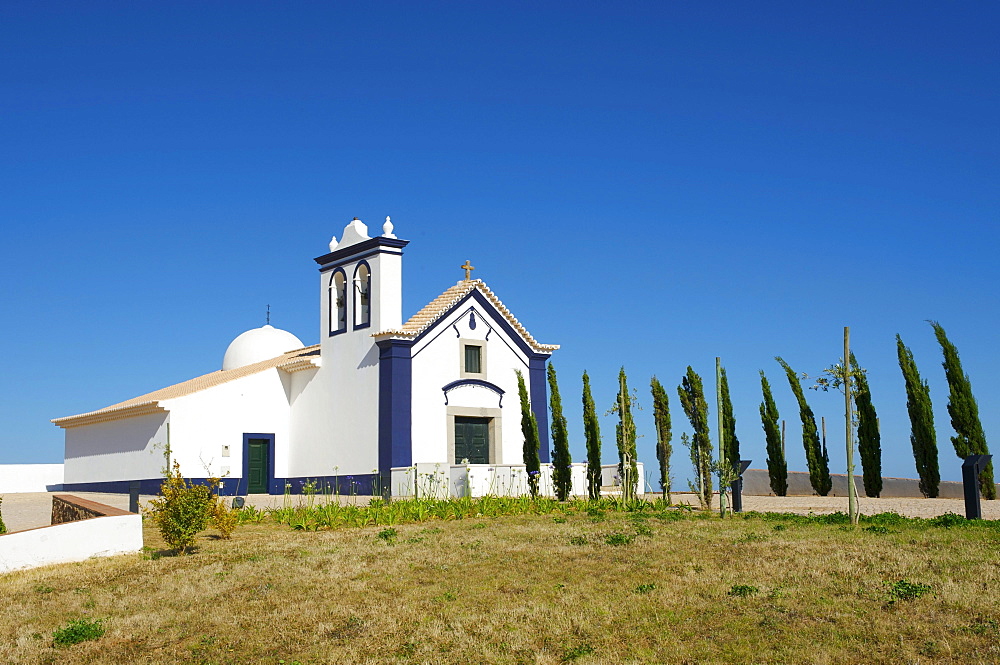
473,359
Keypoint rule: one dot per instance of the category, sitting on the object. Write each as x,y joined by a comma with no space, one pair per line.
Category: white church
379,405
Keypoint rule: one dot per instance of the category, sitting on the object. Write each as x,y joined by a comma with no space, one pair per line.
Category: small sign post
971,467
737,485
133,496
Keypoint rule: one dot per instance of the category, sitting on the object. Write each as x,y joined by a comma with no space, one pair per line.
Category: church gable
468,297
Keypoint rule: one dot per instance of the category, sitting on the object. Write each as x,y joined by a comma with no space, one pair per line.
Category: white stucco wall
197,427
437,361
334,414
126,449
71,541
202,423
16,478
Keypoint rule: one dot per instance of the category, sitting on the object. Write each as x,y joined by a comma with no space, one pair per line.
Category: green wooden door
257,482
472,440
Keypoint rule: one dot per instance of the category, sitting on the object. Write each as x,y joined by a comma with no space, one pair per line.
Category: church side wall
118,450
203,422
438,361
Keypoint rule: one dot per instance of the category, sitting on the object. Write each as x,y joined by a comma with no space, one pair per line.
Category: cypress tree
816,455
777,467
869,438
529,428
692,397
923,438
964,411
661,418
732,444
592,435
561,478
625,435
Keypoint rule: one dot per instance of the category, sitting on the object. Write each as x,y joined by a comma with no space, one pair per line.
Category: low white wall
15,478
446,480
70,541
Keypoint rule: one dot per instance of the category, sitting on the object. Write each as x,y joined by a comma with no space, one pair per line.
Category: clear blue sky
647,184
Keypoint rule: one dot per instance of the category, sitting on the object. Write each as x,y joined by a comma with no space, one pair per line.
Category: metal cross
468,270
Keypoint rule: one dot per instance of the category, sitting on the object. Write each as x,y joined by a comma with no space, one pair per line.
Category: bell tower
361,282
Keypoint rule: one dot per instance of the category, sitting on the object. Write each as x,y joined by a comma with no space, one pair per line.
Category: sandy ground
34,509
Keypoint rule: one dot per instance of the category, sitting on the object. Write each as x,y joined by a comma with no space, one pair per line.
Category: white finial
387,228
333,243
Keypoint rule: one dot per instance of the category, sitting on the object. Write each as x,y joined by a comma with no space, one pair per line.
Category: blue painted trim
332,304
365,484
395,388
538,394
146,486
241,485
489,329
366,247
357,296
472,382
487,310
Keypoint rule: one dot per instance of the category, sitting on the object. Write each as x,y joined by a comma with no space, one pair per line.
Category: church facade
376,394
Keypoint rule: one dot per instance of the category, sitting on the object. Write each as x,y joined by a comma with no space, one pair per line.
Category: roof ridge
438,307
188,387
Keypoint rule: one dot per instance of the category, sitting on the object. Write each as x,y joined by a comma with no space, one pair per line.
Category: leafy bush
225,519
949,520
183,510
78,630
3,527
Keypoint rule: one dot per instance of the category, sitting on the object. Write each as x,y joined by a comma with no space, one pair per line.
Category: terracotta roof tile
438,307
150,402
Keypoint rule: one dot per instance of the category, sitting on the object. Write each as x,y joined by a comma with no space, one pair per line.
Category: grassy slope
516,590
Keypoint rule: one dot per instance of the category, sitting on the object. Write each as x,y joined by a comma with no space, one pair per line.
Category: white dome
259,344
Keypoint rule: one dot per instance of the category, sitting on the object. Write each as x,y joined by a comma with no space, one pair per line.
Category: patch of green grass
78,630
578,651
617,539
388,535
578,540
743,590
906,590
645,588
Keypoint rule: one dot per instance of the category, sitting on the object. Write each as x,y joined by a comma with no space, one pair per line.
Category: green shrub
78,630
182,511
225,518
3,527
949,520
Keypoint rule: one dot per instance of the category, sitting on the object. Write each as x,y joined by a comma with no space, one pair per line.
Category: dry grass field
597,587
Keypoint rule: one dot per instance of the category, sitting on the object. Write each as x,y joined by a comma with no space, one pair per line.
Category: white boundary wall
16,478
70,541
444,480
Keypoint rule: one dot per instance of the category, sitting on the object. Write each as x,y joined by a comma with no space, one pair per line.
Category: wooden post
852,499
722,437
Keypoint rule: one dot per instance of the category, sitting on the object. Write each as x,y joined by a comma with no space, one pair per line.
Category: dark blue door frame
272,485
